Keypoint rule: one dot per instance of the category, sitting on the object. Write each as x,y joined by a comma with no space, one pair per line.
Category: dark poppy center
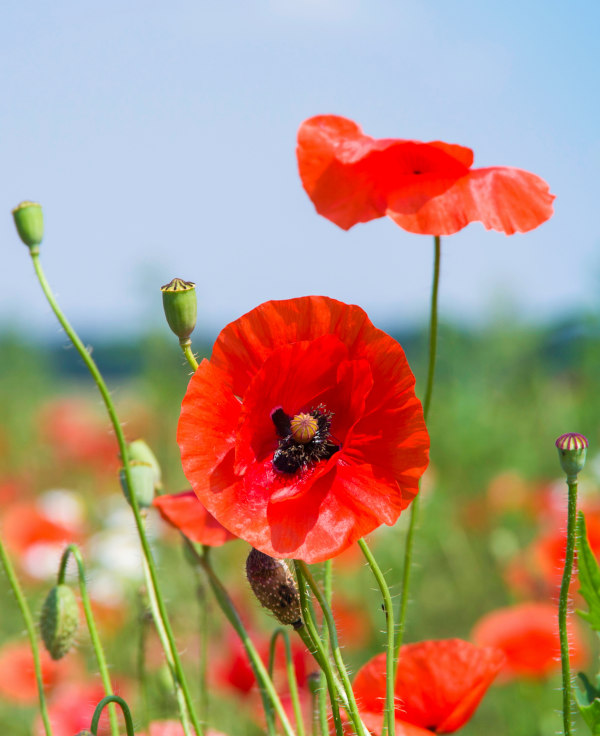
304,439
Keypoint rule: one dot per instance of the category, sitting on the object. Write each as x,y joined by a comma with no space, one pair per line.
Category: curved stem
124,707
563,604
73,550
414,507
26,613
186,346
291,673
390,661
110,408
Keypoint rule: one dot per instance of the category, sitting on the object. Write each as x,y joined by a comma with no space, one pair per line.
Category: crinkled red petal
185,512
501,198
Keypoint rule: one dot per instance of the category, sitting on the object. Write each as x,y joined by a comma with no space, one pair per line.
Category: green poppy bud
275,588
572,449
179,303
142,479
29,222
139,451
59,620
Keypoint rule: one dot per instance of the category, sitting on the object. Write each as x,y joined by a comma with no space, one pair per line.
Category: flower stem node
142,479
572,449
59,620
275,588
139,451
179,303
29,222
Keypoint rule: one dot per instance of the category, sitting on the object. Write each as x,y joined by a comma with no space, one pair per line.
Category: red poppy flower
528,635
438,686
303,433
17,672
185,512
173,728
426,188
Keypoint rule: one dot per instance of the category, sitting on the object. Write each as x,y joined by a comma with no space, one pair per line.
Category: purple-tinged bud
179,303
275,588
59,620
142,479
572,449
29,222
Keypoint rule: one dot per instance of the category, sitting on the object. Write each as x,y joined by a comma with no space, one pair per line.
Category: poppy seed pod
142,479
59,621
275,588
572,449
29,222
179,303
139,451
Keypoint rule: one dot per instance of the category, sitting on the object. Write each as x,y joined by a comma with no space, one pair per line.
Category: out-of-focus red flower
303,433
71,710
185,512
426,188
527,633
438,686
173,728
17,673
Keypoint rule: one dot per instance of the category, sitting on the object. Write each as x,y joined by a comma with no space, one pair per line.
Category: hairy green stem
390,661
414,507
26,613
563,604
291,673
124,707
186,346
73,550
110,408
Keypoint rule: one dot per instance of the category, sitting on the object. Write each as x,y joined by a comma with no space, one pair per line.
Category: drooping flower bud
179,303
139,451
572,449
275,588
29,222
142,479
59,620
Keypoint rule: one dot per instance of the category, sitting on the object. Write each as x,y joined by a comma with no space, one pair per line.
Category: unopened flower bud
275,588
179,303
59,620
29,222
139,451
572,449
142,480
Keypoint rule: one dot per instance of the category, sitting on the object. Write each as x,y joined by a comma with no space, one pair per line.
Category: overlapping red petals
299,354
426,188
438,686
185,512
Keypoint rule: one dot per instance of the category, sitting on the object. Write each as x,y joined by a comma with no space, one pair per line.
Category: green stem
414,507
26,613
110,408
328,591
291,673
73,550
270,695
124,707
351,706
186,346
390,662
142,676
563,604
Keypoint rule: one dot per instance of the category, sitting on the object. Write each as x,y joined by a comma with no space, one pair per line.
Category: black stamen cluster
291,456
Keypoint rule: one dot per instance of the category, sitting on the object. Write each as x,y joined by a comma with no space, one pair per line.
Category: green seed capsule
572,449
29,222
142,479
59,620
139,451
179,303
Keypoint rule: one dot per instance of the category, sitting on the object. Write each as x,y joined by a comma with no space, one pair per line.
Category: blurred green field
503,393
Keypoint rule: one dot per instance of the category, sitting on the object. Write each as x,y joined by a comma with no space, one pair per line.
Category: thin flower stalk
414,508
291,673
563,605
73,551
26,613
124,707
110,408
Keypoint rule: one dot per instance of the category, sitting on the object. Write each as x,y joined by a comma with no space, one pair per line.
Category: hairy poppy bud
29,222
179,303
275,588
142,479
139,451
59,620
572,449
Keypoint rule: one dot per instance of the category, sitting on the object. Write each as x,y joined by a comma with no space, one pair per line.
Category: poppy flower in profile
185,512
528,635
439,685
303,432
425,188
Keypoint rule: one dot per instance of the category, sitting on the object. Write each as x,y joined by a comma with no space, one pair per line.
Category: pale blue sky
160,140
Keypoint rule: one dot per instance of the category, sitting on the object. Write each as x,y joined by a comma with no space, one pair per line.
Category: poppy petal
185,512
